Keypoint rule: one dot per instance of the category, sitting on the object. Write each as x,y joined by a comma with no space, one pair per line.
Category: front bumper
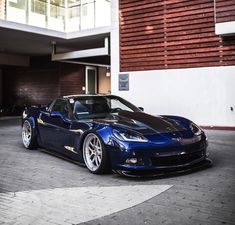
158,160
166,171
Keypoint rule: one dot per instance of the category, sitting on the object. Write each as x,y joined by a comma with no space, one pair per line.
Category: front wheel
95,155
28,137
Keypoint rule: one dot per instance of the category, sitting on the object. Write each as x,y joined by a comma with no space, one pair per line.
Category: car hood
142,122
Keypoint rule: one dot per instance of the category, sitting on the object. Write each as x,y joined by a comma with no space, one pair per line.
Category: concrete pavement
37,187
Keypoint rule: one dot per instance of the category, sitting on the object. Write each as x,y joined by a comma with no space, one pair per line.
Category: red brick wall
165,34
41,83
72,79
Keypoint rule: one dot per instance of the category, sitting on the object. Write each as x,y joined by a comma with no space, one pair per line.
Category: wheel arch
32,123
82,139
107,165
103,134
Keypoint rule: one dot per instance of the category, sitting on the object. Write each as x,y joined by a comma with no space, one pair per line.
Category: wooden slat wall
224,10
164,34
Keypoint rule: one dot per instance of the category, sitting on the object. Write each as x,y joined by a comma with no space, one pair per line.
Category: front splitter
166,172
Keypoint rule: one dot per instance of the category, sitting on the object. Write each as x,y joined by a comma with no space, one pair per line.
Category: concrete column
114,42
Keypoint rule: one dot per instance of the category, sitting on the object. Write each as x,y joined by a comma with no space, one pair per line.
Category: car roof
85,95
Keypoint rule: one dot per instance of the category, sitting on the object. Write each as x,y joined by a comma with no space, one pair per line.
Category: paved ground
37,188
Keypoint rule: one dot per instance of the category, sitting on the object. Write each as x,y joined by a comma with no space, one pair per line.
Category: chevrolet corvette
106,132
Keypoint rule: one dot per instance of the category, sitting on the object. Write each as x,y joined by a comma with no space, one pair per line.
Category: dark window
61,106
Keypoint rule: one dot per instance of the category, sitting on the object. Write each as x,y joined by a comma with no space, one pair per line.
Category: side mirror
57,115
141,108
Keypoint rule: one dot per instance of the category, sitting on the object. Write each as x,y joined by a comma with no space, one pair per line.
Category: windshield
91,107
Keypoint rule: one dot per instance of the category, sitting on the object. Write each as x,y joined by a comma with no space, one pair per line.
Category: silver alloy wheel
26,133
92,152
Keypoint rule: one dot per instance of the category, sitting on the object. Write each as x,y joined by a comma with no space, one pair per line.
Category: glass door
91,80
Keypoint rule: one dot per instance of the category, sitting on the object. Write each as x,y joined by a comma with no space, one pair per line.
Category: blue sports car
106,132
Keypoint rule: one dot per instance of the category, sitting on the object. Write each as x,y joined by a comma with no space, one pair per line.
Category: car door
45,126
55,126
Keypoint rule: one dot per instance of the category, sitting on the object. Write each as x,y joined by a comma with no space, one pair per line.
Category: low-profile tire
95,155
28,135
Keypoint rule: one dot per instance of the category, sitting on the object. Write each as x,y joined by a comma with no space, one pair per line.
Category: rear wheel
28,137
95,155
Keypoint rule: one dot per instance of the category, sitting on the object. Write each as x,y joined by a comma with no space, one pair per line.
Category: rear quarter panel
32,114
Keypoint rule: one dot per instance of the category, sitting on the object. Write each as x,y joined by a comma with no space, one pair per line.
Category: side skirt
51,152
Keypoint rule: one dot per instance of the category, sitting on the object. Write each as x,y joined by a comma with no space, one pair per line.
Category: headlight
129,136
195,129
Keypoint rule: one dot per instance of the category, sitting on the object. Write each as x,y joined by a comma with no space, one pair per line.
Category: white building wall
204,95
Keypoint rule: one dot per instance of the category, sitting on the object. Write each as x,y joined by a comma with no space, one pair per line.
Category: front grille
194,147
176,159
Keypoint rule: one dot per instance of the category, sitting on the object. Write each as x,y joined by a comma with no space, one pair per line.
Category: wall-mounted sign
124,82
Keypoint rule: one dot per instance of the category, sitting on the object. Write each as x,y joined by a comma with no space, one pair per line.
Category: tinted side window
61,106
116,104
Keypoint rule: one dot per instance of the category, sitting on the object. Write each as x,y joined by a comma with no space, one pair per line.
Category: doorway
91,80
104,81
